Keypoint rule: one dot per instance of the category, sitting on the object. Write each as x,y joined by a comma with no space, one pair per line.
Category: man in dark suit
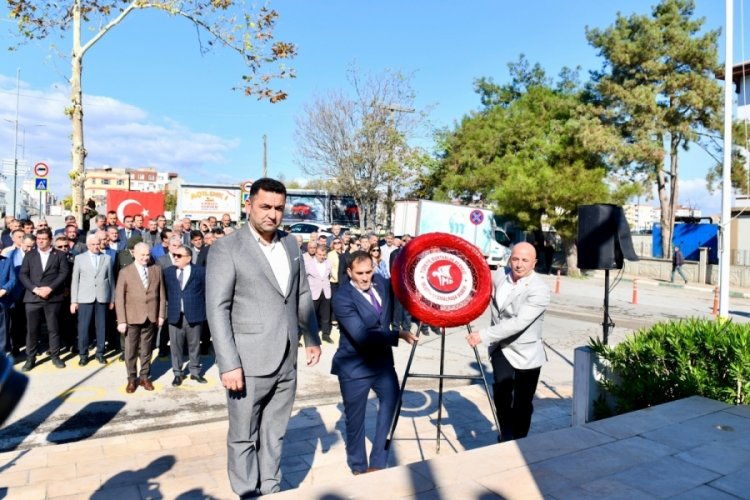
92,292
141,308
258,305
7,284
186,312
43,273
128,229
364,359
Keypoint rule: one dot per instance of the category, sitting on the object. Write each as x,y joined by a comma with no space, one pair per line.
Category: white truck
475,225
200,201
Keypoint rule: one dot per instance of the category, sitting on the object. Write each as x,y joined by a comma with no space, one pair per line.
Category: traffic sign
246,186
476,217
245,198
41,170
41,184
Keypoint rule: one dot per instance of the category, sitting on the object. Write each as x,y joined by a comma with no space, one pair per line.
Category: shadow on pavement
13,435
131,483
86,422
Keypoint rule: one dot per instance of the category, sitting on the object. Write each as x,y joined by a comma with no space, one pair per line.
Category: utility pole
265,156
15,143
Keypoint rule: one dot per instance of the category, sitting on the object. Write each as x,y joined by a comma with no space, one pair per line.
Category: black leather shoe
83,361
327,338
199,378
101,360
177,381
29,365
59,363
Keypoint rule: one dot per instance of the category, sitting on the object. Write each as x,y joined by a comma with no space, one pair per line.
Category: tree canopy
227,24
533,152
359,140
657,89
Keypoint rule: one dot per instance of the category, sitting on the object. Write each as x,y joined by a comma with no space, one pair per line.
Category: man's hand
73,308
111,306
3,292
122,327
474,339
408,337
160,322
313,355
233,380
43,291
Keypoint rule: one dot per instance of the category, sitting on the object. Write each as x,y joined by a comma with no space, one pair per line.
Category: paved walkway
190,461
693,448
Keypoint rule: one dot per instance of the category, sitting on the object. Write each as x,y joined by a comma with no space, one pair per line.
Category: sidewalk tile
52,473
704,492
720,457
13,479
511,484
665,477
73,486
737,483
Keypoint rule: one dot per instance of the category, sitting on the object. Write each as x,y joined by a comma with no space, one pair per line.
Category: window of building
105,182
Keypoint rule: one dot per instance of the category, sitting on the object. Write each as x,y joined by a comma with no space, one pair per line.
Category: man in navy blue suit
364,359
186,312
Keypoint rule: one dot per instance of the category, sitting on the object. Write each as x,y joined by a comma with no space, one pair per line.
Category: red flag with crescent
125,203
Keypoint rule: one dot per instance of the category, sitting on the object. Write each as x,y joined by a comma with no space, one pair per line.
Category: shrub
674,360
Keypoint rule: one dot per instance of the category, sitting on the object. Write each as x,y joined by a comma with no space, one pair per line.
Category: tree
360,141
534,152
740,154
250,34
657,88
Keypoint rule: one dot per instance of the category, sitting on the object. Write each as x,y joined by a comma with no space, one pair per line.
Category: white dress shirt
276,256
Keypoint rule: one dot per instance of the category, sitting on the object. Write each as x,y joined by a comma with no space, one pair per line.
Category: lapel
290,245
384,297
252,247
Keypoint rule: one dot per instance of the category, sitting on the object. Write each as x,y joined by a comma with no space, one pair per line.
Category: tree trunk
571,256
77,173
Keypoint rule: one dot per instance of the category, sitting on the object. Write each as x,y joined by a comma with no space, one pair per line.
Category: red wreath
404,284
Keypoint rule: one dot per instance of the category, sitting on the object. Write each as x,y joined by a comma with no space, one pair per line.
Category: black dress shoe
100,359
83,361
327,338
177,381
59,363
199,378
29,365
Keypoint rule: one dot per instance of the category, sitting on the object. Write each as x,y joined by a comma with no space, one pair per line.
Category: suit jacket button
285,301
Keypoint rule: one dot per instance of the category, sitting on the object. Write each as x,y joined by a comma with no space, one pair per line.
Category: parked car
301,210
305,229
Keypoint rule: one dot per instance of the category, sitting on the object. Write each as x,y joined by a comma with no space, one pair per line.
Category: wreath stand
441,376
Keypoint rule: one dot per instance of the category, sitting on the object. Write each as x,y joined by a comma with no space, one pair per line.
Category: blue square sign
41,184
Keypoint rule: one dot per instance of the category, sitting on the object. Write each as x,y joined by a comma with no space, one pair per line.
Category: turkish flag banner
150,205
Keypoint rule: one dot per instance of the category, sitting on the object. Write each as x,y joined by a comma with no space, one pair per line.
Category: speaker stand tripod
441,377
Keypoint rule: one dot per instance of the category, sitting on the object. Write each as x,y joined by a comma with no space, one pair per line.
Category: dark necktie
374,301
179,277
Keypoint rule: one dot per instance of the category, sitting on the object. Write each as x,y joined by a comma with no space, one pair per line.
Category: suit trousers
401,317
86,312
178,335
34,313
513,393
258,418
322,307
17,327
354,393
138,345
4,329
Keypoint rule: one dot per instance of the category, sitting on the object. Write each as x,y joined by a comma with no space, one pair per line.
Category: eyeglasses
179,255
375,251
336,242
61,247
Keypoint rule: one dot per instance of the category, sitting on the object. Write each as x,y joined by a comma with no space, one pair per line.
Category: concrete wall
707,274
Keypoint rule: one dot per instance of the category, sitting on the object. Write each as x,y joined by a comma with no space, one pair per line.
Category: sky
152,99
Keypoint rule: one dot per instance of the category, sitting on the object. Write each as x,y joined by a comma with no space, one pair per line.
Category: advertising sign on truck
200,201
476,225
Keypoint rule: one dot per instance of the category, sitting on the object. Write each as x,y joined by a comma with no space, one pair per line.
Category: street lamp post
15,142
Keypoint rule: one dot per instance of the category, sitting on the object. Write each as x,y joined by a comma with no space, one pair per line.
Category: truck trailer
475,225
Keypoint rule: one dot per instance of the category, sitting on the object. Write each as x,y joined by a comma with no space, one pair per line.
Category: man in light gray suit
257,303
92,291
515,340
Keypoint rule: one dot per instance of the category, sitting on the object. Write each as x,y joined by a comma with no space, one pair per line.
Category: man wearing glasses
186,312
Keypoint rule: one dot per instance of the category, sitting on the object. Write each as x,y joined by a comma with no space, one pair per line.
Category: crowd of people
254,293
72,291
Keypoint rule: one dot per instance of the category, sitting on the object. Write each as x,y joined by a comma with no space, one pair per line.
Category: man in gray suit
258,302
92,292
515,340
